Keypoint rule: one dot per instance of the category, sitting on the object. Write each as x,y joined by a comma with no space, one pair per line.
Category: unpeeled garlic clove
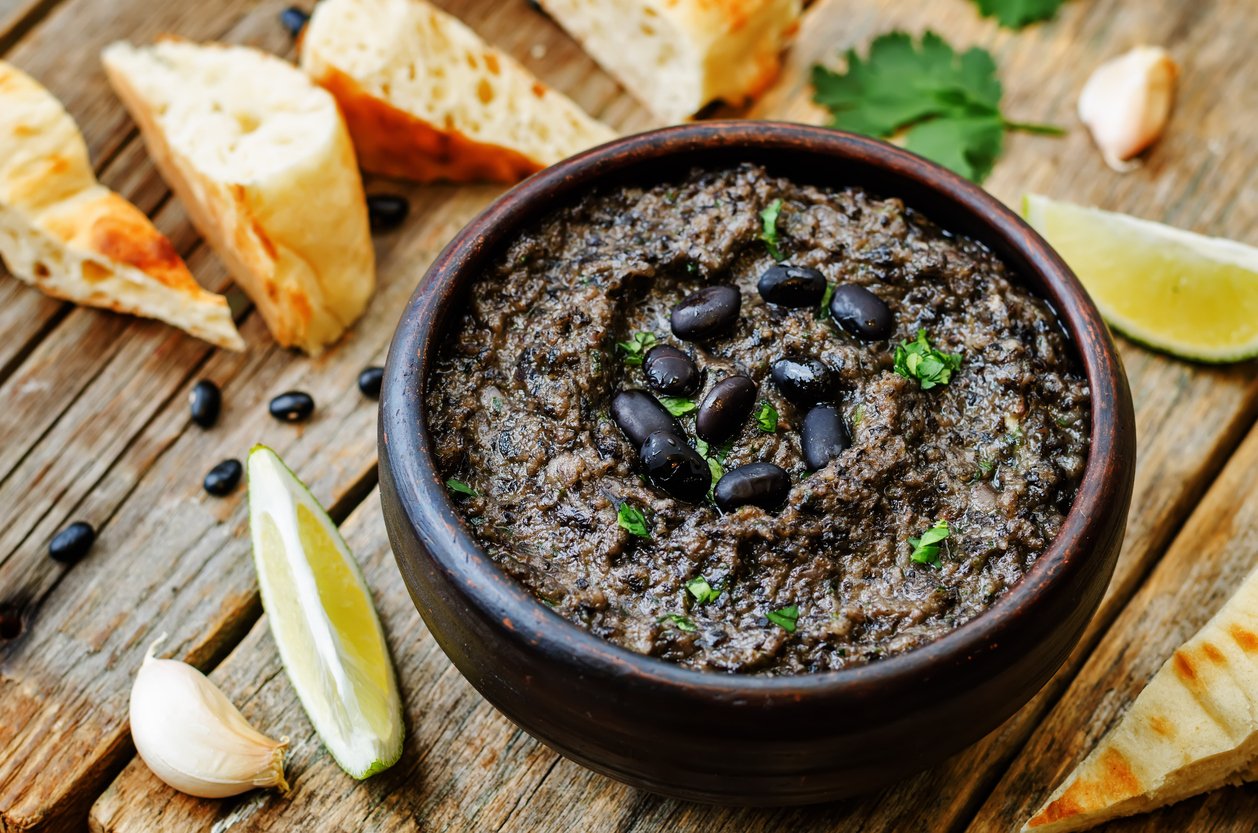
194,739
1127,101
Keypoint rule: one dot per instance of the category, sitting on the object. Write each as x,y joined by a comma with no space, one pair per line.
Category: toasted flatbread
71,237
262,161
675,56
1192,729
426,99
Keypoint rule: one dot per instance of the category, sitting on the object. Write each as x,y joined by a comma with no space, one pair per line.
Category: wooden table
94,425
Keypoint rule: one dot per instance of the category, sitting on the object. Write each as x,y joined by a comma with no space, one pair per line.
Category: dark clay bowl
745,739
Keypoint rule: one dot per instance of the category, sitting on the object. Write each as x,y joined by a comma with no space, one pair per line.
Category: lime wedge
1187,294
323,621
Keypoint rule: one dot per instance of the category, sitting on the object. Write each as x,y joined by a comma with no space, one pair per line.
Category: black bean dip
518,406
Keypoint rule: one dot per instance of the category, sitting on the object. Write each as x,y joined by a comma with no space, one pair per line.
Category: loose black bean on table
223,478
72,543
369,381
205,402
293,406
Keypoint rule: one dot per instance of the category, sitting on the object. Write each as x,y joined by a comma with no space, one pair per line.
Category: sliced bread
675,56
426,99
262,161
73,238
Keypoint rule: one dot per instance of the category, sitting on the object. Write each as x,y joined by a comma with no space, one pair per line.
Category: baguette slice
262,161
676,56
1192,729
426,99
73,238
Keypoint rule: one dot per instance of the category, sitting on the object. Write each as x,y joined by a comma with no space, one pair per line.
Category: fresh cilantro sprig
947,104
769,229
702,590
631,519
635,348
678,405
926,547
680,622
785,617
461,488
1015,14
767,417
823,309
714,458
928,365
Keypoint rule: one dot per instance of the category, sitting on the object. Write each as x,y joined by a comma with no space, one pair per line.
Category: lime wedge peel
321,615
1187,294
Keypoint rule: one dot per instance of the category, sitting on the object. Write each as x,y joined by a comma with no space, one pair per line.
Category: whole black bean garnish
670,371
676,467
755,484
72,543
386,212
293,406
205,402
707,313
726,407
804,381
294,20
861,312
823,436
791,286
369,381
639,414
223,478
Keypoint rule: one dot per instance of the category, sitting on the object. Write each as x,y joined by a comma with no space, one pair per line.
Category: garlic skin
193,738
1127,102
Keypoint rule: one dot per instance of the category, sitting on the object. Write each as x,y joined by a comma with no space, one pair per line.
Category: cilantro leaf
680,622
678,405
947,103
703,592
926,548
769,228
631,519
461,488
928,365
785,618
767,417
1015,14
823,309
714,461
635,348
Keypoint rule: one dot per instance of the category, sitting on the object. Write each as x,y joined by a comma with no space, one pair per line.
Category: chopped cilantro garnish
692,267
926,548
767,417
459,487
858,415
680,622
985,467
769,232
929,366
1015,14
678,405
635,348
714,461
703,592
823,309
631,519
946,104
785,618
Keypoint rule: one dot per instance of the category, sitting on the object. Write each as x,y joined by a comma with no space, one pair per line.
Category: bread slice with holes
426,99
73,238
262,161
676,56
1193,728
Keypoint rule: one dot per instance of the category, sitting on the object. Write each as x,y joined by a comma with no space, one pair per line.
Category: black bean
804,381
293,406
205,402
861,312
294,20
823,436
386,212
676,467
72,543
792,286
707,313
639,414
223,478
723,410
756,484
369,381
670,371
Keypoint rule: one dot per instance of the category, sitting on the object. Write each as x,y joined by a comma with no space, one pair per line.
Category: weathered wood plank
1209,558
18,16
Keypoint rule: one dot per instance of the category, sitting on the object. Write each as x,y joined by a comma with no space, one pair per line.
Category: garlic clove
193,738
1127,101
